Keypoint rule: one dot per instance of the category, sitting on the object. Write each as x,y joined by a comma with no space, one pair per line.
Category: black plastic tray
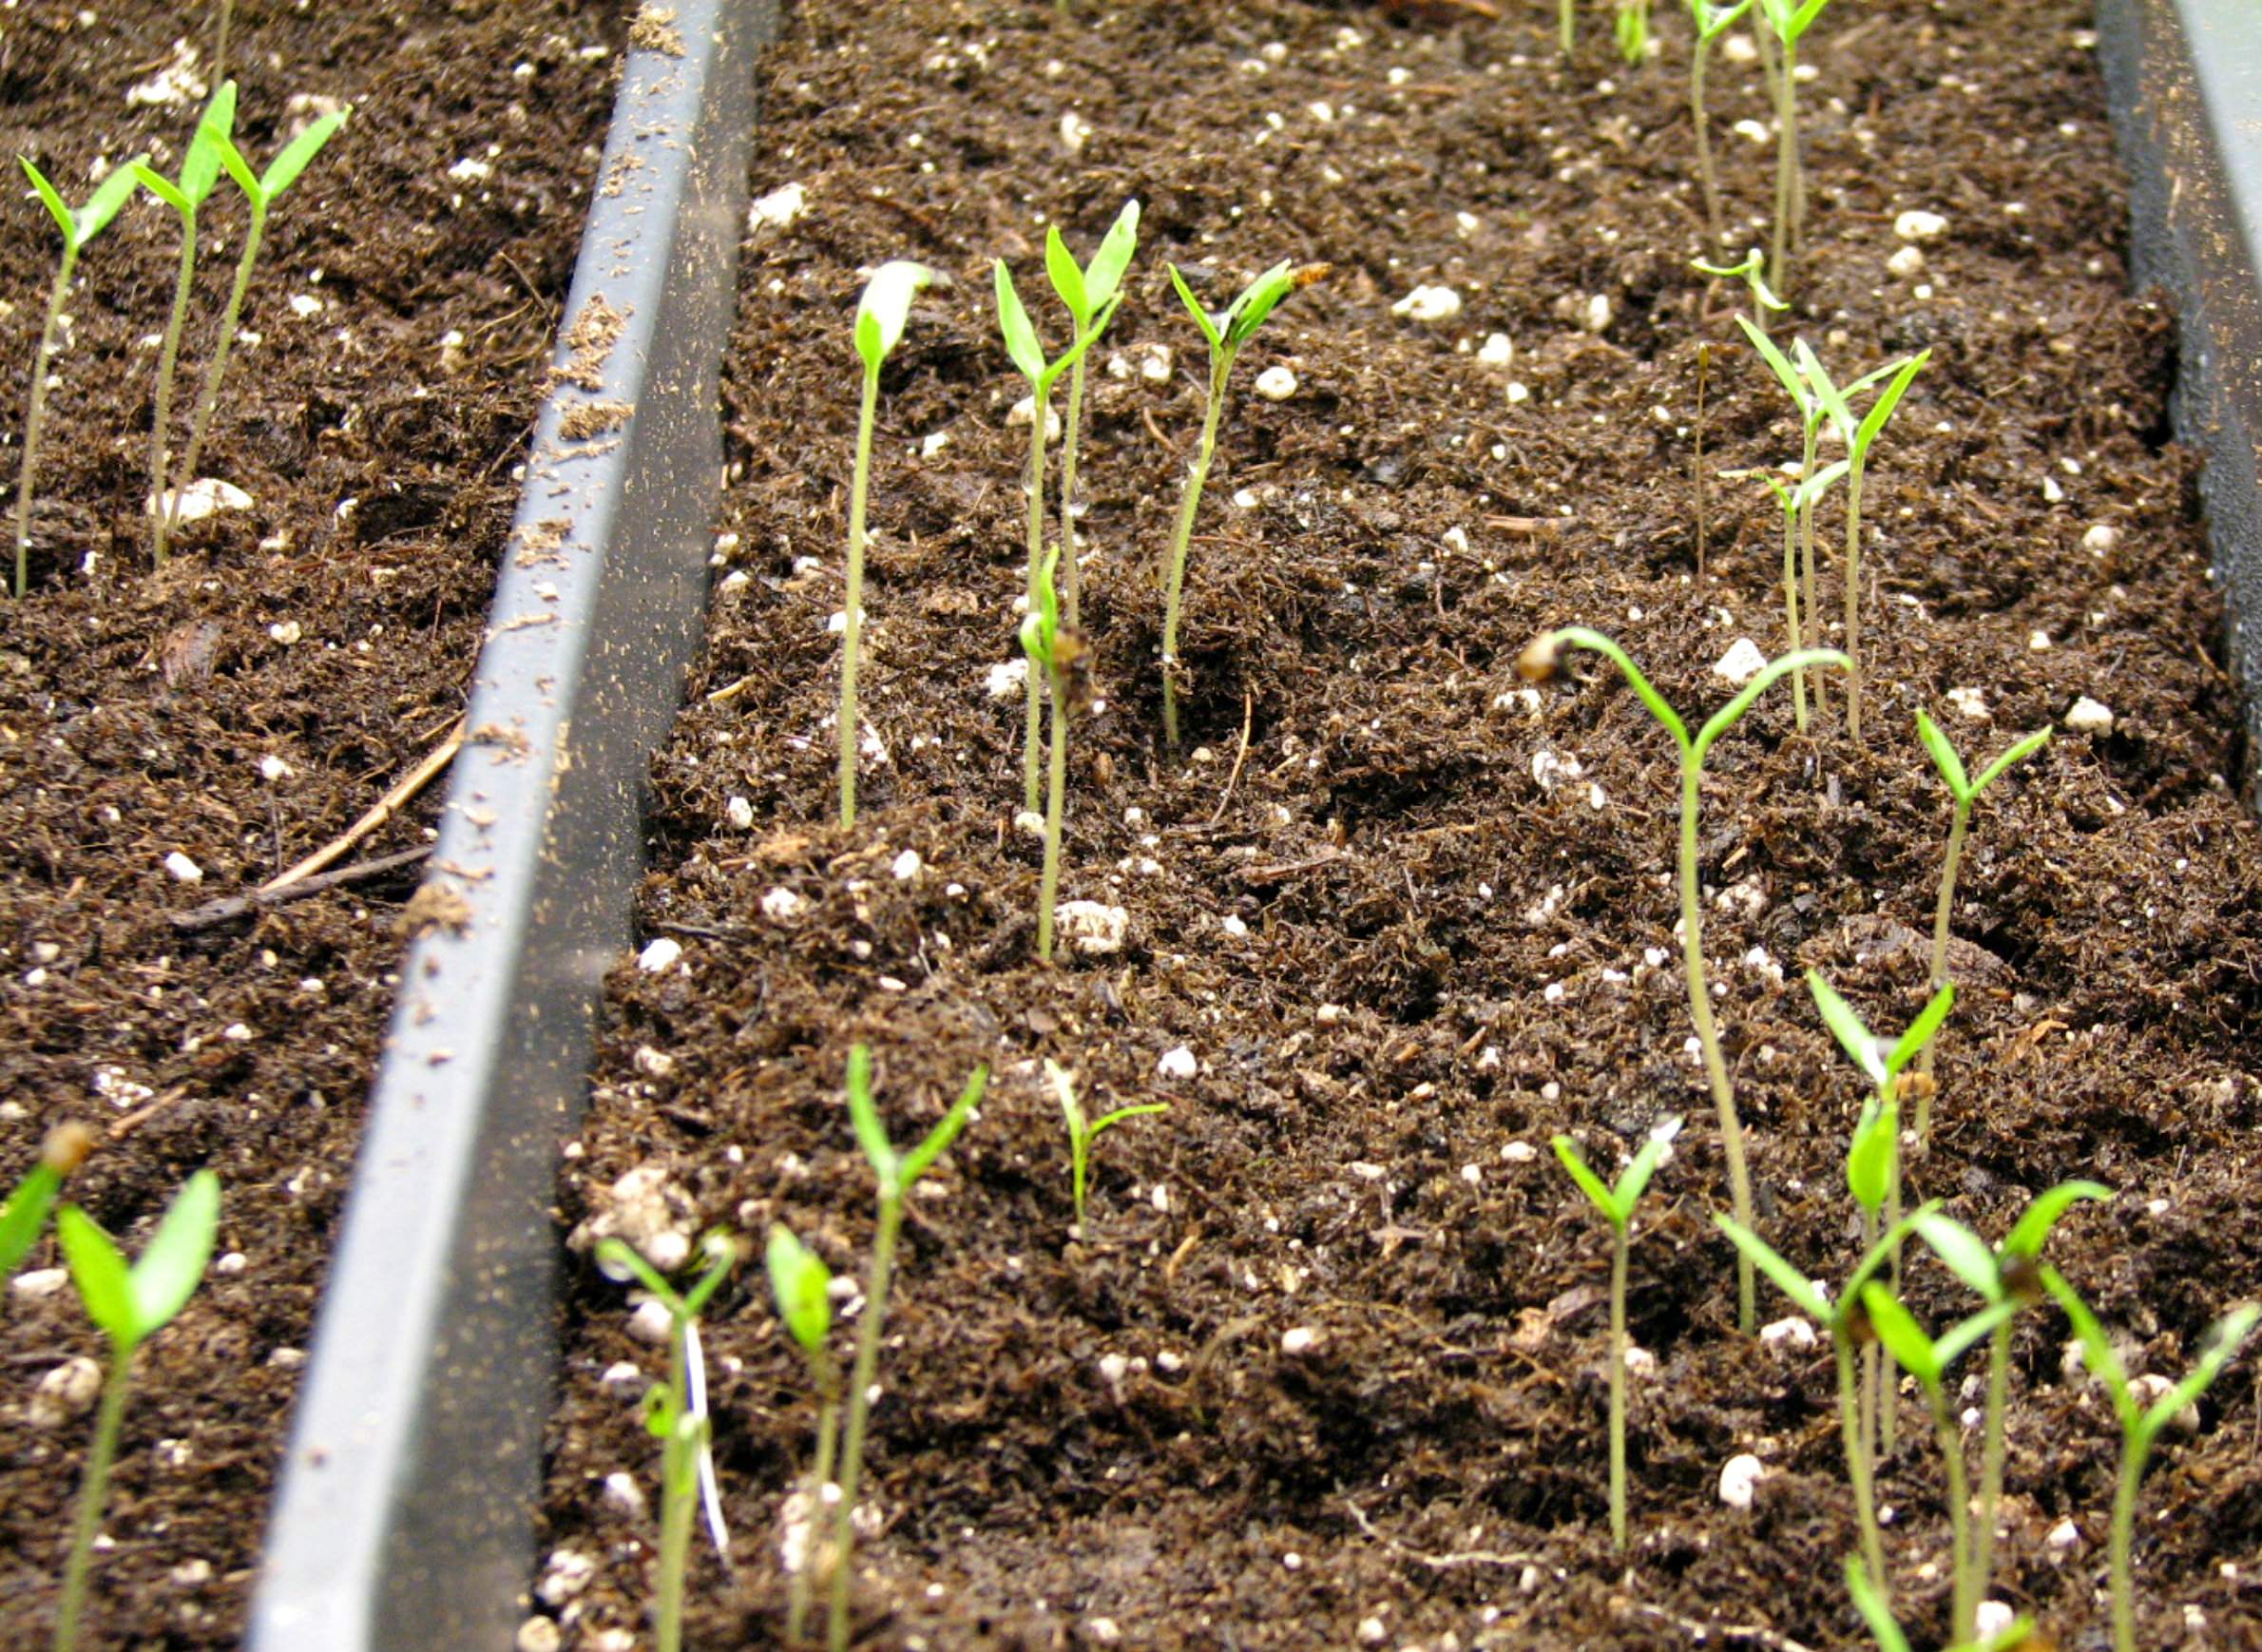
402,1522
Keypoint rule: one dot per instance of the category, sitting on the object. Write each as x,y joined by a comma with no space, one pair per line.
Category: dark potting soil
326,632
1394,920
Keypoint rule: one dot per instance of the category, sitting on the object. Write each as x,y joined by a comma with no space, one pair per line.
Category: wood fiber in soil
1400,958
135,710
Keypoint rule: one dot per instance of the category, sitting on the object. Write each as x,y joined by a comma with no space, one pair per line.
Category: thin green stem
1697,456
1032,795
220,48
1889,1384
1786,161
1618,1387
678,1481
1181,538
821,1475
1993,1449
161,416
1868,1417
1069,576
1698,64
1708,1036
1797,641
853,628
1857,1469
35,415
208,402
859,1414
2123,1544
1939,973
1805,523
1048,887
1965,1621
1566,24
94,1490
1853,598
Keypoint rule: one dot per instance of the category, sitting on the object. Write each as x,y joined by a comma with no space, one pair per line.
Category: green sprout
2141,1425
1225,332
881,315
1798,505
676,1413
1712,19
1617,1206
1859,435
262,190
802,1285
199,172
1632,27
23,1217
897,1173
1538,663
1057,653
1090,293
1566,24
1751,272
1084,1131
78,229
1965,793
1849,1326
1927,1361
1878,1613
1021,344
1790,20
2013,1277
128,1303
1877,1146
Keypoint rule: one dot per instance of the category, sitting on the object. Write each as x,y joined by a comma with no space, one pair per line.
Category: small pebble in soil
1298,1340
1739,1478
1030,824
274,768
650,1322
1075,132
1752,131
2087,716
566,1575
2065,1535
622,1377
1091,928
779,208
538,1635
1178,1064
1519,1153
1371,1631
1024,413
1429,305
2038,641
1744,660
2102,539
1793,1335
1500,350
1970,704
660,955
191,1574
233,1262
1917,224
781,905
183,868
1908,262
622,1494
1275,384
66,1392
1004,679
906,865
739,813
1101,1631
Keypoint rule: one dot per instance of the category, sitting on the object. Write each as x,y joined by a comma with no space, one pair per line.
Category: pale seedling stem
801,1284
1798,503
1538,663
897,1173
1087,292
1712,21
1790,20
1051,648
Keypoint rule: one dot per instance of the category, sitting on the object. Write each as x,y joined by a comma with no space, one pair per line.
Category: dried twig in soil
387,806
214,913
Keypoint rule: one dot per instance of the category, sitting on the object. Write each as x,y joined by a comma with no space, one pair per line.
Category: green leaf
1713,20
1833,399
1872,1607
1960,1338
1811,489
1104,276
1579,637
1890,398
1075,351
26,1216
1589,1184
97,1270
620,1260
2032,1231
1852,1037
2222,1346
1944,757
1106,1119
916,1162
1783,496
235,166
1201,317
2096,1348
885,309
168,1271
1802,1290
1786,375
298,154
158,186
1021,338
1769,674
1965,1254
2018,754
801,1286
56,209
199,168
1035,644
871,1134
1870,1159
1635,1179
1803,19
1068,279
1727,272
1922,1030
1257,301
1904,1338
723,1255
111,194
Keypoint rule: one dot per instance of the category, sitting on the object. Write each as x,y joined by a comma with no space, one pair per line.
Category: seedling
199,171
1632,26
1798,505
881,315
1859,436
676,1415
1028,355
1057,652
1878,1614
1849,1326
2140,1425
1536,663
1927,1361
219,48
262,190
1790,20
1751,272
1566,24
1090,293
78,228
1225,332
897,1173
1873,1168
128,1304
2014,1276
1617,1204
25,1216
802,1285
1965,793
1083,1131
1713,20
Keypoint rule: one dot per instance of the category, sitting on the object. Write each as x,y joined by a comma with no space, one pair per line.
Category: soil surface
249,703
1395,920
